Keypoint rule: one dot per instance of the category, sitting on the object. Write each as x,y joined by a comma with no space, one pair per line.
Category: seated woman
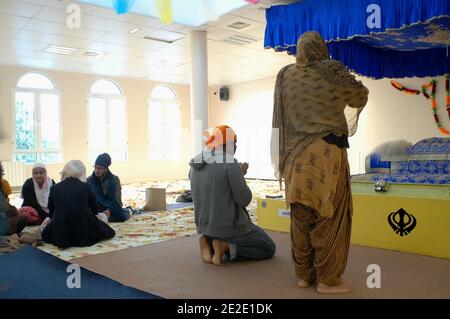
11,222
220,196
108,190
73,210
5,188
35,192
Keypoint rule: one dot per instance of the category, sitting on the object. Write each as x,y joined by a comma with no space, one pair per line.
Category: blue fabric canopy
374,38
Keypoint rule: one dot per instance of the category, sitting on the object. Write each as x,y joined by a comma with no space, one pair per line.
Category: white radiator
356,159
16,173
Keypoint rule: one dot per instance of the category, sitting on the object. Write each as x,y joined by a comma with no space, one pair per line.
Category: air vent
239,25
240,40
92,54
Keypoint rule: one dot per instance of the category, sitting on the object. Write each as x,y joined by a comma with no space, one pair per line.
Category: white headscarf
74,168
42,192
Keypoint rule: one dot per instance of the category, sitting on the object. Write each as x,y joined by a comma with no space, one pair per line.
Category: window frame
163,101
37,120
107,98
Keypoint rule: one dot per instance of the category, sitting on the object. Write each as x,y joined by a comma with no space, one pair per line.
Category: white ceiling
28,27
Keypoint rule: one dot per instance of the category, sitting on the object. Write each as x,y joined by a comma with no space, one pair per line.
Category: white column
199,89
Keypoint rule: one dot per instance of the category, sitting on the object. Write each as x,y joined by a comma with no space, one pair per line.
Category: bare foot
220,248
341,289
205,250
302,283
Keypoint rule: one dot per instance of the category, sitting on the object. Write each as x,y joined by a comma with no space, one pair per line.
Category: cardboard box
408,218
155,199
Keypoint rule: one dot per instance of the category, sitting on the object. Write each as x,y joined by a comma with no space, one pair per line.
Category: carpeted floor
33,274
152,227
173,269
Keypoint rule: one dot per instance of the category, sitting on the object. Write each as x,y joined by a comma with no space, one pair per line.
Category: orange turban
221,135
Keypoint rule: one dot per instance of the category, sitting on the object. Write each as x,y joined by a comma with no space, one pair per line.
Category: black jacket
73,212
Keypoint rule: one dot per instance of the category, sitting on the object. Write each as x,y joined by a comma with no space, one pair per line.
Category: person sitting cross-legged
108,190
73,215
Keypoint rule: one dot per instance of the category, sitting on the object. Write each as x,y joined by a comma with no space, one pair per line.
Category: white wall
249,113
74,89
389,115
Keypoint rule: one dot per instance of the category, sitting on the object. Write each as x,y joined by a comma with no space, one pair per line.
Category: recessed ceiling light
133,30
60,50
165,36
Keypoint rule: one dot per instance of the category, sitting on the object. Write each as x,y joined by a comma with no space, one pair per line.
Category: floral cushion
436,179
421,167
434,145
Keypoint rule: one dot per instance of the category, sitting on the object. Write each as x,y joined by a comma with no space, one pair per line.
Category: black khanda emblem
402,222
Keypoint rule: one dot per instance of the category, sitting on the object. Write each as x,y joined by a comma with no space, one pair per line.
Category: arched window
37,124
164,118
107,122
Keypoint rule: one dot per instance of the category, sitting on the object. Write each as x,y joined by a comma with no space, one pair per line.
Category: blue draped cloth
412,37
123,6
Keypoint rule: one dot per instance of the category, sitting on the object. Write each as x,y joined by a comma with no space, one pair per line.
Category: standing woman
317,103
35,193
73,210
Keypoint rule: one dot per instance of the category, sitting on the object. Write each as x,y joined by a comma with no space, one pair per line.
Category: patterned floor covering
151,227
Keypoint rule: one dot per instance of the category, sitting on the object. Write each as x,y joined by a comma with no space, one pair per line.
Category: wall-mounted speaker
224,93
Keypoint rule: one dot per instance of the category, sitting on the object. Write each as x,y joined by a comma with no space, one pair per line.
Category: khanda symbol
402,222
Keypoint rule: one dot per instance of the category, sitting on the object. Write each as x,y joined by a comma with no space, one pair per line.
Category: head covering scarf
314,97
222,134
42,192
75,169
311,48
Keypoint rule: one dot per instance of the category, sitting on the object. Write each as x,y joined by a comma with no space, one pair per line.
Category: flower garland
424,91
403,89
432,85
447,98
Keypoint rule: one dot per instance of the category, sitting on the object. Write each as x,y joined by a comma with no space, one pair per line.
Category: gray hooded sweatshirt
220,195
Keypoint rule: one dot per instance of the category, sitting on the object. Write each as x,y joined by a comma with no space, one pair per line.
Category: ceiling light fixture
60,50
133,30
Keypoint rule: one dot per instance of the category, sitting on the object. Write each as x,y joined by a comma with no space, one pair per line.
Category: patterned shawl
314,97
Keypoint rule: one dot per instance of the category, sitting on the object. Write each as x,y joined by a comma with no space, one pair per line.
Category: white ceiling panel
18,8
255,15
17,52
147,22
71,42
52,15
64,4
147,44
40,2
6,32
12,21
110,14
28,27
4,42
32,36
28,45
83,33
97,23
125,28
118,39
43,26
